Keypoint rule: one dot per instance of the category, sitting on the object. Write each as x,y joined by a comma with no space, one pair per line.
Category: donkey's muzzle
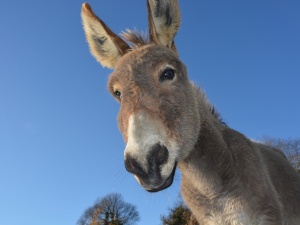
149,175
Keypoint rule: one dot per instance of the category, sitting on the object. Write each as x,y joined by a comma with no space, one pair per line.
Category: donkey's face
158,106
157,113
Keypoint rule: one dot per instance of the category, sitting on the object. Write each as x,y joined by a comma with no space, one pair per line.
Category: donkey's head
159,113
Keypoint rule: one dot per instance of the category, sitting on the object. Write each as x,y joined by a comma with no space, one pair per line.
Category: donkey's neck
209,163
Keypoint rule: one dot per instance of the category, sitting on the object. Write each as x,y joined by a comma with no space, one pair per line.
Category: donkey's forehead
146,58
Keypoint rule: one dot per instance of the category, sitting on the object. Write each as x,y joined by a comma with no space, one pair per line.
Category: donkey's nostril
158,155
132,166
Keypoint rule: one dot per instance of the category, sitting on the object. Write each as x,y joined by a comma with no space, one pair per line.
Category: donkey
167,122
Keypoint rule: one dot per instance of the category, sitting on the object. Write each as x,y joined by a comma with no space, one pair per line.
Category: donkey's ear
164,21
105,45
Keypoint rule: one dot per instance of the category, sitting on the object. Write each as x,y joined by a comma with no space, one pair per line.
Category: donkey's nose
156,156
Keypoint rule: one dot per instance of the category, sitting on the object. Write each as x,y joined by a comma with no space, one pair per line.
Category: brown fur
226,178
136,38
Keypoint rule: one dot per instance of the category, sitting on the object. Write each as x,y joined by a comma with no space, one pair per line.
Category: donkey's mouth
167,183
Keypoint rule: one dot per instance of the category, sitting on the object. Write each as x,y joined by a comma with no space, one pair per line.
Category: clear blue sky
60,147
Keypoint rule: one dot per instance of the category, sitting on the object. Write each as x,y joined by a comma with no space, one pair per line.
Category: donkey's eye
118,94
168,74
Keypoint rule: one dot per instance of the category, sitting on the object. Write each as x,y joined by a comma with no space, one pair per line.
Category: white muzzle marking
143,133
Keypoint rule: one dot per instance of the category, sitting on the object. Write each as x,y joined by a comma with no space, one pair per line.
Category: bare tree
110,210
289,146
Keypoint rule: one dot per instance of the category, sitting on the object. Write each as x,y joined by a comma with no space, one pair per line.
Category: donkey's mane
208,105
135,38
